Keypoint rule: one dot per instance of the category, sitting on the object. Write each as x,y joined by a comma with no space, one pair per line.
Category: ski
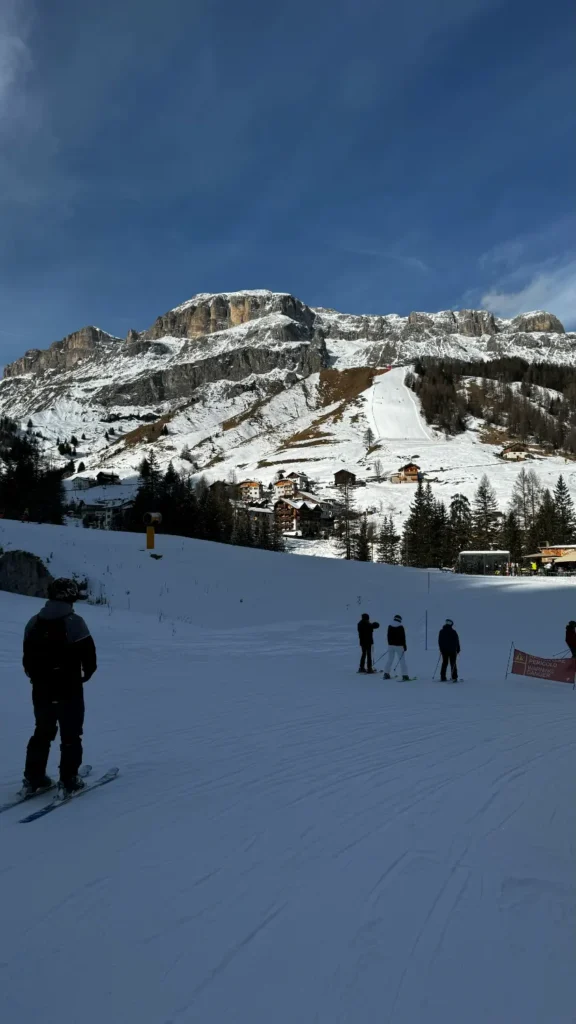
58,801
24,798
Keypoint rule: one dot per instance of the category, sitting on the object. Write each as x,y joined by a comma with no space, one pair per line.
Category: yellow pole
150,538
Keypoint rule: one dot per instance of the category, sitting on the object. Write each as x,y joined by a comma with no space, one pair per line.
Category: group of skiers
448,643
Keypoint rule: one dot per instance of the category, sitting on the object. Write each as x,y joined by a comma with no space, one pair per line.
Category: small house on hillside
408,474
298,517
105,479
250,490
300,480
284,488
343,478
516,452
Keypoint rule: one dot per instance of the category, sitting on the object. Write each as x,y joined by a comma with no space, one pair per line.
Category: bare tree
378,470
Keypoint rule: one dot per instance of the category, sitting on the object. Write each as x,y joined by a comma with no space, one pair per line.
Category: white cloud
14,53
550,286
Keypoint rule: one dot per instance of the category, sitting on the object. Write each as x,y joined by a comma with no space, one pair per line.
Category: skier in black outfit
59,657
449,644
571,637
365,635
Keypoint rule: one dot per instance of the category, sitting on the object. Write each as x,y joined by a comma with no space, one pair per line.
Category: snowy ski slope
289,841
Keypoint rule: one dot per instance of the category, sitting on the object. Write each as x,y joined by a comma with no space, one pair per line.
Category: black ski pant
68,715
449,657
366,659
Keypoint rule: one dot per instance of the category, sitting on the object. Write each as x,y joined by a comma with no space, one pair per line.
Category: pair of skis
60,800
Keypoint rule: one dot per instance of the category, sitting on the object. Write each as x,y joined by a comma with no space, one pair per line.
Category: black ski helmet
397,618
449,622
365,616
63,589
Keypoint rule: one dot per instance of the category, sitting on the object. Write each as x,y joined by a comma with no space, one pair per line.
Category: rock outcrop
62,355
207,314
24,573
538,321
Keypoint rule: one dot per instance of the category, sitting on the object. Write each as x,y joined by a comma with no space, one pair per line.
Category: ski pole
436,669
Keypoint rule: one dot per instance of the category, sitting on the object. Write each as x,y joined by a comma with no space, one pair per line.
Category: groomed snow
289,841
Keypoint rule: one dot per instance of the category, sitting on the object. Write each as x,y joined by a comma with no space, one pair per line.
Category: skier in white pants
396,648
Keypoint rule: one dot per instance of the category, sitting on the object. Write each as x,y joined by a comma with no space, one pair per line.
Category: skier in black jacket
397,648
59,657
449,644
365,635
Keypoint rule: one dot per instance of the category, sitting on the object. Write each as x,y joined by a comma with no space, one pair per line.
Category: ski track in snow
289,841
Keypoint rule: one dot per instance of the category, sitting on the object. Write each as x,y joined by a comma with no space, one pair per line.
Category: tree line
192,509
29,487
434,534
505,393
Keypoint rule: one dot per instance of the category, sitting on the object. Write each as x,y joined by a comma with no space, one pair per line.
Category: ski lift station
483,563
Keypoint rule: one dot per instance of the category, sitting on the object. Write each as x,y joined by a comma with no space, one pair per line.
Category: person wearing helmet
365,635
397,648
571,637
59,657
449,644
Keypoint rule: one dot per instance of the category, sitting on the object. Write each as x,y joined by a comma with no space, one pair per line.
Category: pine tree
485,516
346,518
565,518
369,437
361,544
459,527
512,536
81,468
546,526
388,540
439,534
416,541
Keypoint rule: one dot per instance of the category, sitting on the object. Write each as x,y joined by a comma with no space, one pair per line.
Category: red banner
559,669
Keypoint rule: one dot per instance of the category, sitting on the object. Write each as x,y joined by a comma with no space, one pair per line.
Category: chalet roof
284,483
409,465
249,483
298,504
514,446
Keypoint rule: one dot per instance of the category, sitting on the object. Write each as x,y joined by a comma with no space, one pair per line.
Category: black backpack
46,647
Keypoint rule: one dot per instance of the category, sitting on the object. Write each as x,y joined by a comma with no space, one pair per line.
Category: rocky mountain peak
62,355
206,314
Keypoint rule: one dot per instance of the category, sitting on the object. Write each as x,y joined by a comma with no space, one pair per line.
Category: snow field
289,841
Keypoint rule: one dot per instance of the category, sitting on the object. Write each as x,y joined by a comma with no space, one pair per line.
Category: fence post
509,656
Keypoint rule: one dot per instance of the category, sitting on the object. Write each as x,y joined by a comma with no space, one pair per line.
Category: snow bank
288,841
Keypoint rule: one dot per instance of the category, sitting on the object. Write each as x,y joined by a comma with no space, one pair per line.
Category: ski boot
405,679
31,788
69,787
386,675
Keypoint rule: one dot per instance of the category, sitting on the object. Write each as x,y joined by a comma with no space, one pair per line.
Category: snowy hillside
289,841
248,383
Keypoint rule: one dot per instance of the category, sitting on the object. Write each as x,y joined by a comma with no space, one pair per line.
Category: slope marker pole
509,656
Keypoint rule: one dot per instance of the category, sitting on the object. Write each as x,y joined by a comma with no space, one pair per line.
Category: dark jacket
448,640
365,632
78,653
571,637
396,636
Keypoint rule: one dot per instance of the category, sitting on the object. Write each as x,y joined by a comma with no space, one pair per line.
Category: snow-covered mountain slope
251,382
405,852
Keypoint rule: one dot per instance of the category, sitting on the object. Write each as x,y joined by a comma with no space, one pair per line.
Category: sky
365,156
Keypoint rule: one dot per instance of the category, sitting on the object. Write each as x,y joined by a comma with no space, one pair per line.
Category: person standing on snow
59,657
571,637
397,648
449,644
365,635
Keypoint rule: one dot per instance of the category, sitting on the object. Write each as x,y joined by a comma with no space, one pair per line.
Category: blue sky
364,155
